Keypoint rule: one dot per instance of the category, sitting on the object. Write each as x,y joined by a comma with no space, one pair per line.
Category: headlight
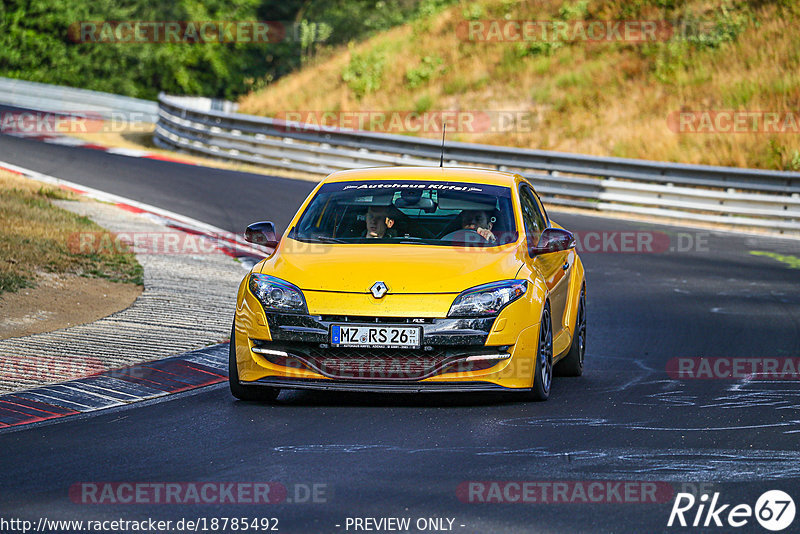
487,299
276,294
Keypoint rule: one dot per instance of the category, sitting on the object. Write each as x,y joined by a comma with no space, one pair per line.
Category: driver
478,221
379,222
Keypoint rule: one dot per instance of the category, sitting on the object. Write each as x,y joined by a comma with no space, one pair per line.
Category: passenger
379,222
478,221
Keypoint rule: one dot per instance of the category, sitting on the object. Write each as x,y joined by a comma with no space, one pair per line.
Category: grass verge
34,238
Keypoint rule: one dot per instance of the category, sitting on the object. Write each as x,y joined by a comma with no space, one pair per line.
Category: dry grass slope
610,99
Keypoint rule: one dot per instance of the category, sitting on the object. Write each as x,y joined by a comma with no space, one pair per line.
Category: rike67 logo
774,510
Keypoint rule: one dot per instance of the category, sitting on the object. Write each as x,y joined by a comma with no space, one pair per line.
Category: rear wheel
572,363
543,366
240,391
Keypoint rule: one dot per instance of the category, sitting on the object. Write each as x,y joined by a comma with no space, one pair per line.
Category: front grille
379,364
315,329
357,353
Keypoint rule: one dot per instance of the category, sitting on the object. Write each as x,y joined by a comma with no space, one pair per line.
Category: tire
543,367
241,392
572,363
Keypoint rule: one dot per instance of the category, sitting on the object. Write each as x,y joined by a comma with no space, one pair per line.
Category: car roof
447,174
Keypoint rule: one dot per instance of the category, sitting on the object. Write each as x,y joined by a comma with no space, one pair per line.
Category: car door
551,266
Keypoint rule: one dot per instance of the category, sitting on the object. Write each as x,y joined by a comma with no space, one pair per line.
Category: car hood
403,268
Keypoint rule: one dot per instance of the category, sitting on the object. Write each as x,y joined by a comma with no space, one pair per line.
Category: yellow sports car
411,279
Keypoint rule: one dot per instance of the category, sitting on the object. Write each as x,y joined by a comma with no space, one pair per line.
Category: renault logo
379,289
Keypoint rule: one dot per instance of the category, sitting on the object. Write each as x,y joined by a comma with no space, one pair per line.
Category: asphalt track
380,455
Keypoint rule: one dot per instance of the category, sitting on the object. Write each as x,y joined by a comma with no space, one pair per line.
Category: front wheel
572,363
543,366
242,392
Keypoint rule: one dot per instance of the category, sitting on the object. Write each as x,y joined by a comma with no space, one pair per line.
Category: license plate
376,336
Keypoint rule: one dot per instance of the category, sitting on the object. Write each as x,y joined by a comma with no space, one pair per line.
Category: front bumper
388,365
453,357
378,387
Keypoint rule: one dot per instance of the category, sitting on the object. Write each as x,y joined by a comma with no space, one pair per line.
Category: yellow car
411,279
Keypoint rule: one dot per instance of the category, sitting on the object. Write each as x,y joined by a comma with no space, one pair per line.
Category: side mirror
262,233
553,240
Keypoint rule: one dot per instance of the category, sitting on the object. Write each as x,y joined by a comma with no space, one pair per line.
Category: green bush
427,69
36,42
364,73
423,104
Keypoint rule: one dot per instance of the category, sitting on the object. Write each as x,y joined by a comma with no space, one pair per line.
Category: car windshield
418,212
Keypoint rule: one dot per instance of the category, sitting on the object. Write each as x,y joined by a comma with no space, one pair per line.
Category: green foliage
574,10
39,42
11,282
473,12
536,48
423,104
793,262
633,9
794,162
695,35
352,20
739,94
427,8
573,78
541,93
364,73
672,57
780,157
456,86
725,27
311,35
429,67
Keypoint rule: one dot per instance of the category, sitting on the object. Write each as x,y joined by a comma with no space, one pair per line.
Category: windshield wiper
418,240
325,239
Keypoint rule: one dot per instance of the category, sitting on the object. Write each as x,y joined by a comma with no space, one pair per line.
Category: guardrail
68,100
703,193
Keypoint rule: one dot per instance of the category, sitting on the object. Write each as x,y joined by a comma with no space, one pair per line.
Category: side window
531,215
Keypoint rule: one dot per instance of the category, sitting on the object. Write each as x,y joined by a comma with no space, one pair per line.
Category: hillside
617,98
186,47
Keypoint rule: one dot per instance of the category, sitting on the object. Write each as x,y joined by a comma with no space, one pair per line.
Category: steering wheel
465,235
